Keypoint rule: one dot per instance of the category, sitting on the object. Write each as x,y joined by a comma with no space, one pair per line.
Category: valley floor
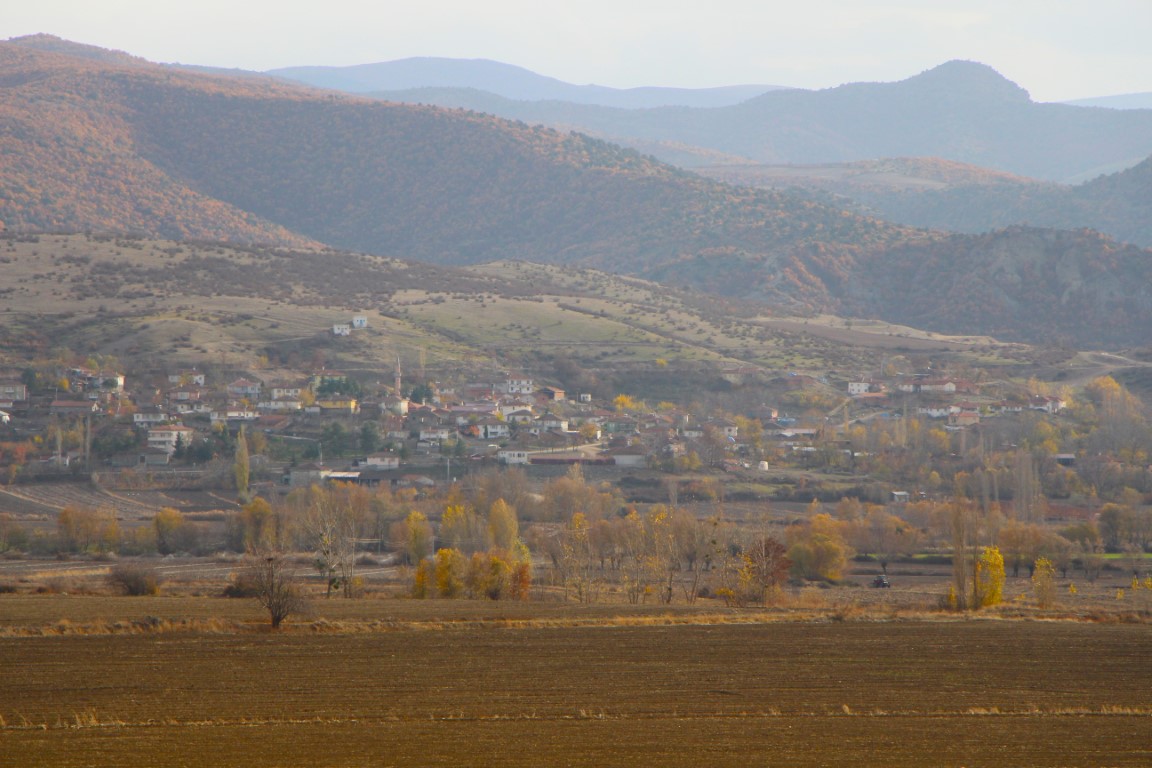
457,683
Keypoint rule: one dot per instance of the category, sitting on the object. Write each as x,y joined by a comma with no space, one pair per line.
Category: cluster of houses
955,400
242,400
359,323
77,391
513,420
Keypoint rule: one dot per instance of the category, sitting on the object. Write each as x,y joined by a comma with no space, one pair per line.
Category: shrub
134,579
57,585
242,584
276,588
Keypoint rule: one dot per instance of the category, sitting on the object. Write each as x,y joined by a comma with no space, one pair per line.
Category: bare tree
766,567
276,588
334,520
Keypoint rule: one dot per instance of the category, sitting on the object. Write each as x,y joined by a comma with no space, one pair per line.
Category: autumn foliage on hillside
116,144
143,148
69,160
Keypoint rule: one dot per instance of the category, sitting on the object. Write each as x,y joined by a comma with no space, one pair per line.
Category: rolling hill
156,303
927,192
120,145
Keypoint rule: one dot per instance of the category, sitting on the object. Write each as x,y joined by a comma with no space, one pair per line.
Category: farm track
910,693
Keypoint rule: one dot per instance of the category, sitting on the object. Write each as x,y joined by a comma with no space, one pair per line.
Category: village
324,425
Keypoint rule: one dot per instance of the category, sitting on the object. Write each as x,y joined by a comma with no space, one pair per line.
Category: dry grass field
402,682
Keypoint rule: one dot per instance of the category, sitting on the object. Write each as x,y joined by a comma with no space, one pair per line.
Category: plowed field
950,693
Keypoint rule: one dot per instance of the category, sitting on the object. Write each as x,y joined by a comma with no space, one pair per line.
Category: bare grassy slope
153,300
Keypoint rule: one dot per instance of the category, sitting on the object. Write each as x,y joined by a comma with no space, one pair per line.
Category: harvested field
446,684
140,505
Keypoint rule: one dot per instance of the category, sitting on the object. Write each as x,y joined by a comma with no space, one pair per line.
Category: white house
280,405
628,456
392,405
342,329
165,438
435,434
13,390
1047,403
286,390
218,417
146,416
380,461
551,421
512,457
946,386
244,388
727,428
861,388
493,430
360,322
522,416
937,411
519,386
185,378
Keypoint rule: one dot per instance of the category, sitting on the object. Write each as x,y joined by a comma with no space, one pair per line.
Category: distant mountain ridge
961,111
124,146
507,81
937,194
1119,101
1119,205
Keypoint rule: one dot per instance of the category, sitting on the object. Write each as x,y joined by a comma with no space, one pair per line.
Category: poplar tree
240,468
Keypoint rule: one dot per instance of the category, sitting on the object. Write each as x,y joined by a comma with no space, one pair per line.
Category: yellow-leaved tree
1044,582
989,578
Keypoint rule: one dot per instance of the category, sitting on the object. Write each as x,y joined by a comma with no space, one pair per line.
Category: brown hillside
126,146
1045,285
69,159
131,147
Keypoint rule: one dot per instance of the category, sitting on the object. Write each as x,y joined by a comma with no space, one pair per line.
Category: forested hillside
1044,285
70,159
124,147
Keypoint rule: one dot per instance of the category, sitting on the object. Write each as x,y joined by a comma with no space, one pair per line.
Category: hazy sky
1057,49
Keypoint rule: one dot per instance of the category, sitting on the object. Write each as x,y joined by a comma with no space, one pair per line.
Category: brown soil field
458,683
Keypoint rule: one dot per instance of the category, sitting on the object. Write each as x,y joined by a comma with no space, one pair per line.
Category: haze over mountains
1119,101
939,194
508,82
107,142
960,110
